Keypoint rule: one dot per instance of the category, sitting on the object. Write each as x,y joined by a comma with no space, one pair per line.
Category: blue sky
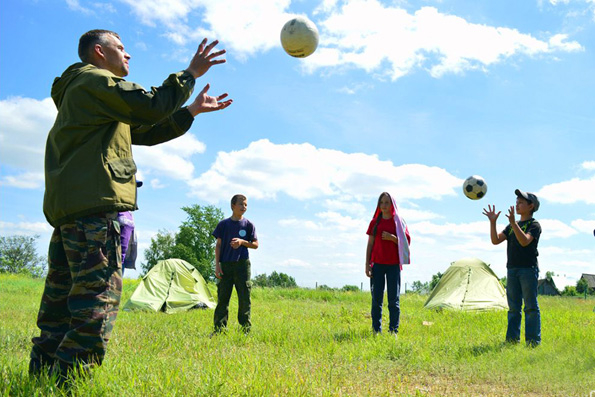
405,97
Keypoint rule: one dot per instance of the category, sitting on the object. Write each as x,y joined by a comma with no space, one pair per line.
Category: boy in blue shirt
232,266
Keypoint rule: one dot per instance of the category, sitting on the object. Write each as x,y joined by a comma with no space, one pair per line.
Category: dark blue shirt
229,229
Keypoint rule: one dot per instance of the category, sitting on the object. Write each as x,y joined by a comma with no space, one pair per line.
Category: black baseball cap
530,197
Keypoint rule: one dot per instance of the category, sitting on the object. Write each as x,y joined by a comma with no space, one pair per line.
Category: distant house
590,279
546,286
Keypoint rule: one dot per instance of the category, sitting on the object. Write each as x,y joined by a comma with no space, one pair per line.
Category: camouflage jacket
88,159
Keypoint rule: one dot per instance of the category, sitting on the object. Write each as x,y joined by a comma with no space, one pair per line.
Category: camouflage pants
82,292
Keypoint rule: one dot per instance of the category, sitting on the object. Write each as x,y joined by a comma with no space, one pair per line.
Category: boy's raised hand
491,213
511,214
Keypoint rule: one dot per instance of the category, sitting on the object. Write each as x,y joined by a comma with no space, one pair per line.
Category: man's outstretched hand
204,103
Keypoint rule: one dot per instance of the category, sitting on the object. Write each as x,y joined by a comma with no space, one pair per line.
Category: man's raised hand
203,59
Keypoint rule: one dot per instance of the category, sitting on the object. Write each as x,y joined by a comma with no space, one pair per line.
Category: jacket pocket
122,169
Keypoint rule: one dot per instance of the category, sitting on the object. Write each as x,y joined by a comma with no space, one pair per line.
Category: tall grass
307,342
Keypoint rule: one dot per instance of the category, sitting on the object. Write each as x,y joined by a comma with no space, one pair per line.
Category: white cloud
23,132
588,165
346,204
553,228
156,184
24,228
75,5
569,192
558,42
293,222
459,230
390,41
413,215
382,39
253,26
264,169
583,225
171,159
27,180
338,222
295,263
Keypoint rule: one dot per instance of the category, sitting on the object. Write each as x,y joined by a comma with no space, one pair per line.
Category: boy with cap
522,274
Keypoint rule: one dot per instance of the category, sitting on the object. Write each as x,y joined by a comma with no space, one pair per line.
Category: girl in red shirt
386,253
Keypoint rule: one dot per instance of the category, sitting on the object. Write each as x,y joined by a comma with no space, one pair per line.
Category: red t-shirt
384,252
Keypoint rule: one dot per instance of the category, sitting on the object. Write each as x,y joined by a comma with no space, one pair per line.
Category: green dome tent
172,285
468,284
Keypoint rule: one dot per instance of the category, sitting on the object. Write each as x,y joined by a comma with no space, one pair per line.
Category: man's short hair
238,197
89,39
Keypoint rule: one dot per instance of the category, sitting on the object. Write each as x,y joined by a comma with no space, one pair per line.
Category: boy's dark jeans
521,286
238,274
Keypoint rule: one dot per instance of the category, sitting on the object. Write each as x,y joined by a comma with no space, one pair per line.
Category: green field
314,343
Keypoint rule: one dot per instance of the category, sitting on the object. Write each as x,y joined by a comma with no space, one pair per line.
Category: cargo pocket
117,243
122,169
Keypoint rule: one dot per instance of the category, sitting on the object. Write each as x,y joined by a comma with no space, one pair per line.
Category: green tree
261,280
350,288
582,286
162,247
569,290
549,275
18,255
419,287
193,242
435,279
503,281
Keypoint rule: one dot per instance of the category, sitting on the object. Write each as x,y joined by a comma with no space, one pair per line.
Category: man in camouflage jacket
89,177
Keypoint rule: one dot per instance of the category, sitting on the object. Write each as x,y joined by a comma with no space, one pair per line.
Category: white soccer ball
299,37
475,187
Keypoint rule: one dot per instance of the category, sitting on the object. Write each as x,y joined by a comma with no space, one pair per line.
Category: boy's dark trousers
238,274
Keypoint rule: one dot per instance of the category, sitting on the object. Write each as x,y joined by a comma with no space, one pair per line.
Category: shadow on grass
352,335
485,348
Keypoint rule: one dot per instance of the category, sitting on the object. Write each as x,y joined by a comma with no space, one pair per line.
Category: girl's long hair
379,213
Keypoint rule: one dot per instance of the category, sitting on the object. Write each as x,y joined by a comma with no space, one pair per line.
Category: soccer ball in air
475,187
299,37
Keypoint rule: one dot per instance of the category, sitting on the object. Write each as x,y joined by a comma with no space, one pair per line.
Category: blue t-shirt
229,229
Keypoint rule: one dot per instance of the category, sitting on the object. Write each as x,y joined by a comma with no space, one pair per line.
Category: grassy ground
314,343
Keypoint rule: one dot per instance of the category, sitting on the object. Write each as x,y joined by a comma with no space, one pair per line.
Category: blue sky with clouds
405,97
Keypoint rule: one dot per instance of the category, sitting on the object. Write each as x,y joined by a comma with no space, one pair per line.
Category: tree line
581,288
194,243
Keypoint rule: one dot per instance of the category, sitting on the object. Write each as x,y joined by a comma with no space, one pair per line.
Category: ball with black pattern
475,187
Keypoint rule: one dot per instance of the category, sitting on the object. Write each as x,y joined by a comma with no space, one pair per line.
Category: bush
569,290
275,280
325,287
